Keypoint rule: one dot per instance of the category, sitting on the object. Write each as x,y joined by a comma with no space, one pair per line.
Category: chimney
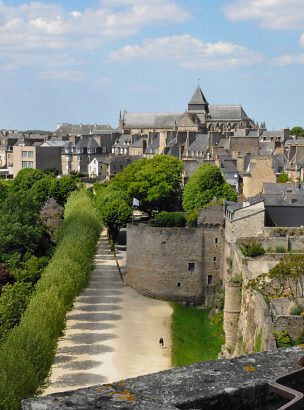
289,195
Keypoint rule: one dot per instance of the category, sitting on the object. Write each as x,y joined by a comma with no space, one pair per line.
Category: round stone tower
232,309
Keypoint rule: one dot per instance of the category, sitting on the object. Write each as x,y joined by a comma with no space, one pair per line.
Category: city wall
166,262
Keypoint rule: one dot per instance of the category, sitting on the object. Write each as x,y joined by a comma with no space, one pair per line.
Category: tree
206,183
21,229
26,178
114,210
52,215
155,182
5,277
284,279
62,188
13,301
297,131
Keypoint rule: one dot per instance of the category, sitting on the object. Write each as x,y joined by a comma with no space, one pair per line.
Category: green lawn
195,336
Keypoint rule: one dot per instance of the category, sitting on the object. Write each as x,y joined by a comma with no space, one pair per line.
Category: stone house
35,156
260,170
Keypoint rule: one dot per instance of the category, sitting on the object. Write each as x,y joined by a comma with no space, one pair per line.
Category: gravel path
112,332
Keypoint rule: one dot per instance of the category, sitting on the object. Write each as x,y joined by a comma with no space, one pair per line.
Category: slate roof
137,144
235,206
228,166
88,142
54,143
121,142
227,112
198,98
270,188
200,143
151,120
151,148
267,147
298,141
80,129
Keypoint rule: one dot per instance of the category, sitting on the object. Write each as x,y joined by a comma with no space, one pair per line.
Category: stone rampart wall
294,325
166,262
238,384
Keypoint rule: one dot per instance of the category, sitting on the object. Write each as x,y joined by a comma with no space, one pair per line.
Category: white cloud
278,14
57,77
189,53
40,25
302,40
289,59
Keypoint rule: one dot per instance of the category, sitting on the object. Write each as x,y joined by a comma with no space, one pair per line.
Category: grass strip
195,336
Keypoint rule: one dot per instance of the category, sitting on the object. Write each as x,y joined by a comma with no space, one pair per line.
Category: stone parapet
239,383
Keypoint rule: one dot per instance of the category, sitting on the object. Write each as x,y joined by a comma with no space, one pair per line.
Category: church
200,117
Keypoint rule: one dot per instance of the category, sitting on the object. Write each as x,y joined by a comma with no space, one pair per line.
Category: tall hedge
28,352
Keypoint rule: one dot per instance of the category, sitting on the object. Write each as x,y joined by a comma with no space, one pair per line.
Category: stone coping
238,383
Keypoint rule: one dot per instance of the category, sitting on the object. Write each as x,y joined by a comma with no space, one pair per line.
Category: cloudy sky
81,61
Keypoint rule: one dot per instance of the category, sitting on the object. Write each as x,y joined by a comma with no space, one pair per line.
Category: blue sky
84,61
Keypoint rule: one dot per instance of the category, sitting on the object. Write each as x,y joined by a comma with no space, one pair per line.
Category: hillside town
246,152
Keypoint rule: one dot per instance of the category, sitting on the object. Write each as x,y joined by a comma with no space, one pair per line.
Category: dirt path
112,332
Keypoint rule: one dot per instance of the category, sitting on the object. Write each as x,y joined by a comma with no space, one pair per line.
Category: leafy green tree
284,279
26,178
206,183
169,219
297,131
62,188
13,301
115,211
43,188
155,182
21,229
6,277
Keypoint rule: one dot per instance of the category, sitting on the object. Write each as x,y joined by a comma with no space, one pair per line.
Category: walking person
161,342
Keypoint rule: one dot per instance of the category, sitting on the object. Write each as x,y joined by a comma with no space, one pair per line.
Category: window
209,279
214,258
27,154
191,266
178,284
27,164
216,240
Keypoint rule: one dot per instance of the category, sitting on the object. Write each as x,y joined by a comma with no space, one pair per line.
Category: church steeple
198,101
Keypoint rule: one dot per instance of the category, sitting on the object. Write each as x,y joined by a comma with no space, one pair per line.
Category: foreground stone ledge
239,383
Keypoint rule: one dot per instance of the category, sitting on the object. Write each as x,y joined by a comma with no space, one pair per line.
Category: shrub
297,309
282,178
169,219
280,249
28,350
282,338
192,219
252,249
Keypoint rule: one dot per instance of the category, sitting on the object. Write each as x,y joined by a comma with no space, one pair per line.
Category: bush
252,249
192,219
169,219
282,338
297,309
28,350
280,249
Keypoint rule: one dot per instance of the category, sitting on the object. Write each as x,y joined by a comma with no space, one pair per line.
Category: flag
135,202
